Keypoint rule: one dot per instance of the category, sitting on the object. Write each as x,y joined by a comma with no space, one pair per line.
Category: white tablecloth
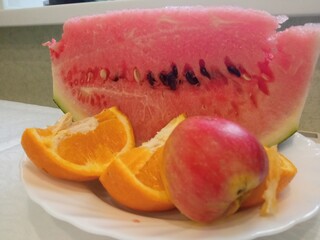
20,218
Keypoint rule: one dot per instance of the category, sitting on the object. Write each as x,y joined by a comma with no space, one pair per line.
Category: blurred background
25,70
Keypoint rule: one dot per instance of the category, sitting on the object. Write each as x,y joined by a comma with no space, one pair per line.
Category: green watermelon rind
64,103
59,105
281,140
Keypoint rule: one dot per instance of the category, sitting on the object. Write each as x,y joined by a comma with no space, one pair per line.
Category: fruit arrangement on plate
179,107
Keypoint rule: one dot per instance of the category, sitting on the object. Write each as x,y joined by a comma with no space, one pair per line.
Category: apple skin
209,165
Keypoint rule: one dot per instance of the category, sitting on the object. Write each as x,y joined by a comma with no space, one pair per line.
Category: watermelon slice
155,64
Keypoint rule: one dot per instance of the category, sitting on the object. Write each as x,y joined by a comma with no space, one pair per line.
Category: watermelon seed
103,74
174,70
244,74
246,77
191,78
136,75
163,78
233,70
169,80
151,78
116,78
172,80
203,69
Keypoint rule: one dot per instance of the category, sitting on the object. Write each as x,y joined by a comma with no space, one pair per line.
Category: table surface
21,218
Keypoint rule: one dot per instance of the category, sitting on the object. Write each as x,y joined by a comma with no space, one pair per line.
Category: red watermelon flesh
157,63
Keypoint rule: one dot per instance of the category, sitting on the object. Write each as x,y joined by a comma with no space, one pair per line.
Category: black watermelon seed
191,78
151,78
172,81
169,80
116,78
233,70
174,70
163,78
203,69
204,72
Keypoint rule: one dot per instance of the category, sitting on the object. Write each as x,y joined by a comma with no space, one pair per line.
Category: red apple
209,164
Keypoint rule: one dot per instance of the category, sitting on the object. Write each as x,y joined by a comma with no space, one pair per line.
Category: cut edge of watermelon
281,137
286,129
64,106
62,100
59,105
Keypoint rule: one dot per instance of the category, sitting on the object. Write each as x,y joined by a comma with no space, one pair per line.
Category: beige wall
25,74
25,71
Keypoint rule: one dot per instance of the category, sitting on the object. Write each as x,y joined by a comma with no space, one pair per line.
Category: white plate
88,207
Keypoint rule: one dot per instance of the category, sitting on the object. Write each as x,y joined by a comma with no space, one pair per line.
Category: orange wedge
79,150
281,172
133,179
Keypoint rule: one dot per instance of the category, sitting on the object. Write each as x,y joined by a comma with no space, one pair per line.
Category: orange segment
269,205
281,172
137,192
150,174
288,172
133,179
80,150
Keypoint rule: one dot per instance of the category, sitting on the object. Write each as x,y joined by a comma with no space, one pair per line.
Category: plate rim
71,220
